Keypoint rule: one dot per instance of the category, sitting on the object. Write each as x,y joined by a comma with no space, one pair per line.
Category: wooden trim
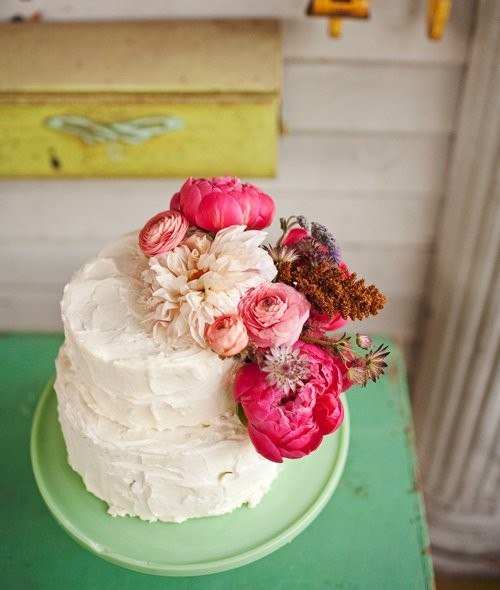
142,56
454,400
117,98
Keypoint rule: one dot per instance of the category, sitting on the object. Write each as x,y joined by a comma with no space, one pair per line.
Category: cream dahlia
202,279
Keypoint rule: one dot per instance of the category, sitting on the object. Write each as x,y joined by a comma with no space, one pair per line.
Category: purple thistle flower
320,233
304,222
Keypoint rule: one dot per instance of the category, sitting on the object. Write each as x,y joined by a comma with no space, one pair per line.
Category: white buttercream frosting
151,429
137,380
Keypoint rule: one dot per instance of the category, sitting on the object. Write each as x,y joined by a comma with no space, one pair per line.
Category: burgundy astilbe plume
330,290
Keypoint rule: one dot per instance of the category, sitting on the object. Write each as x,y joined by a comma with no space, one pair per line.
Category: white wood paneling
400,272
371,97
359,162
85,210
370,120
24,309
51,261
399,318
395,31
364,220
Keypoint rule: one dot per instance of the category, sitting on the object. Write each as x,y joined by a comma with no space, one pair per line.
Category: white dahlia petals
203,278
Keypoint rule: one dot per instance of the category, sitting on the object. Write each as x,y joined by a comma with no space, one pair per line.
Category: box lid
179,57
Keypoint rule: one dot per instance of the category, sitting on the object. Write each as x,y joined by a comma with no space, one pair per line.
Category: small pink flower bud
227,336
363,341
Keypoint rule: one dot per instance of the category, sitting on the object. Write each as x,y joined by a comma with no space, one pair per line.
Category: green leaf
242,415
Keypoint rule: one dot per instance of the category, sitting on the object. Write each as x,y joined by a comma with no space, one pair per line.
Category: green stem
319,341
337,346
289,223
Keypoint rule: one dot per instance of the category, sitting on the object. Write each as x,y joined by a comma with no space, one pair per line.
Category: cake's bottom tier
169,475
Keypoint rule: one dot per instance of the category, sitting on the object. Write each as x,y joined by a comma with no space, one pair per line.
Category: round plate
195,547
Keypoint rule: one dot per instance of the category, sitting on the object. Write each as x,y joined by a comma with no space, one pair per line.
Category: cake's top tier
132,378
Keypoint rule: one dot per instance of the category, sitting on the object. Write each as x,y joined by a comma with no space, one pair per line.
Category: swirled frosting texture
150,428
138,381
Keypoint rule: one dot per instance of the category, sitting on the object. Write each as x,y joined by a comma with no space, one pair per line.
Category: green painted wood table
372,534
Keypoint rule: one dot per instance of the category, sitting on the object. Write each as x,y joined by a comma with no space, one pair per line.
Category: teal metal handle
133,131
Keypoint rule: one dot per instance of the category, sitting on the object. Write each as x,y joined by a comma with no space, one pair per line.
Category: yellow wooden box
168,98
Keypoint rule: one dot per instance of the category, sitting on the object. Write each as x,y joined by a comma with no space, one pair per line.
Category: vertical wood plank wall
370,122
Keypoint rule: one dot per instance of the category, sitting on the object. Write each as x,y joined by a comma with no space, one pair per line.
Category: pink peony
295,235
215,203
346,383
291,425
163,232
227,335
274,314
321,321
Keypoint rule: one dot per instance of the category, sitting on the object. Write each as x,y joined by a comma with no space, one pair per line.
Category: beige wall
370,123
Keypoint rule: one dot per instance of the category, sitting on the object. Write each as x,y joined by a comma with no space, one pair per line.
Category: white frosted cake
197,358
152,430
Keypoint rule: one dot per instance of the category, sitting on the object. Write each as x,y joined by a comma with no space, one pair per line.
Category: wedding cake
193,363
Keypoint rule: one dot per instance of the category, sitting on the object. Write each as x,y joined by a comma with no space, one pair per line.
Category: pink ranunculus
227,335
163,232
274,314
215,203
294,424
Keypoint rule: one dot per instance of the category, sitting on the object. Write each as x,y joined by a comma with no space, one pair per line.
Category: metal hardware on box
133,131
337,9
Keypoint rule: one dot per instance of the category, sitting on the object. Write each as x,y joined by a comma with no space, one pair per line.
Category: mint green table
371,535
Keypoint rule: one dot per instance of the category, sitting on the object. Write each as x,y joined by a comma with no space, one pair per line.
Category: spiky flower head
357,372
282,254
375,362
313,252
285,368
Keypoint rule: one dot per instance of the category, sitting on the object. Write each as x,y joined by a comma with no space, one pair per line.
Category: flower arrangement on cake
211,280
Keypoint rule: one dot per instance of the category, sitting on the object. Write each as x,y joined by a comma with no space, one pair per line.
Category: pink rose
227,335
274,314
163,232
294,424
215,203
